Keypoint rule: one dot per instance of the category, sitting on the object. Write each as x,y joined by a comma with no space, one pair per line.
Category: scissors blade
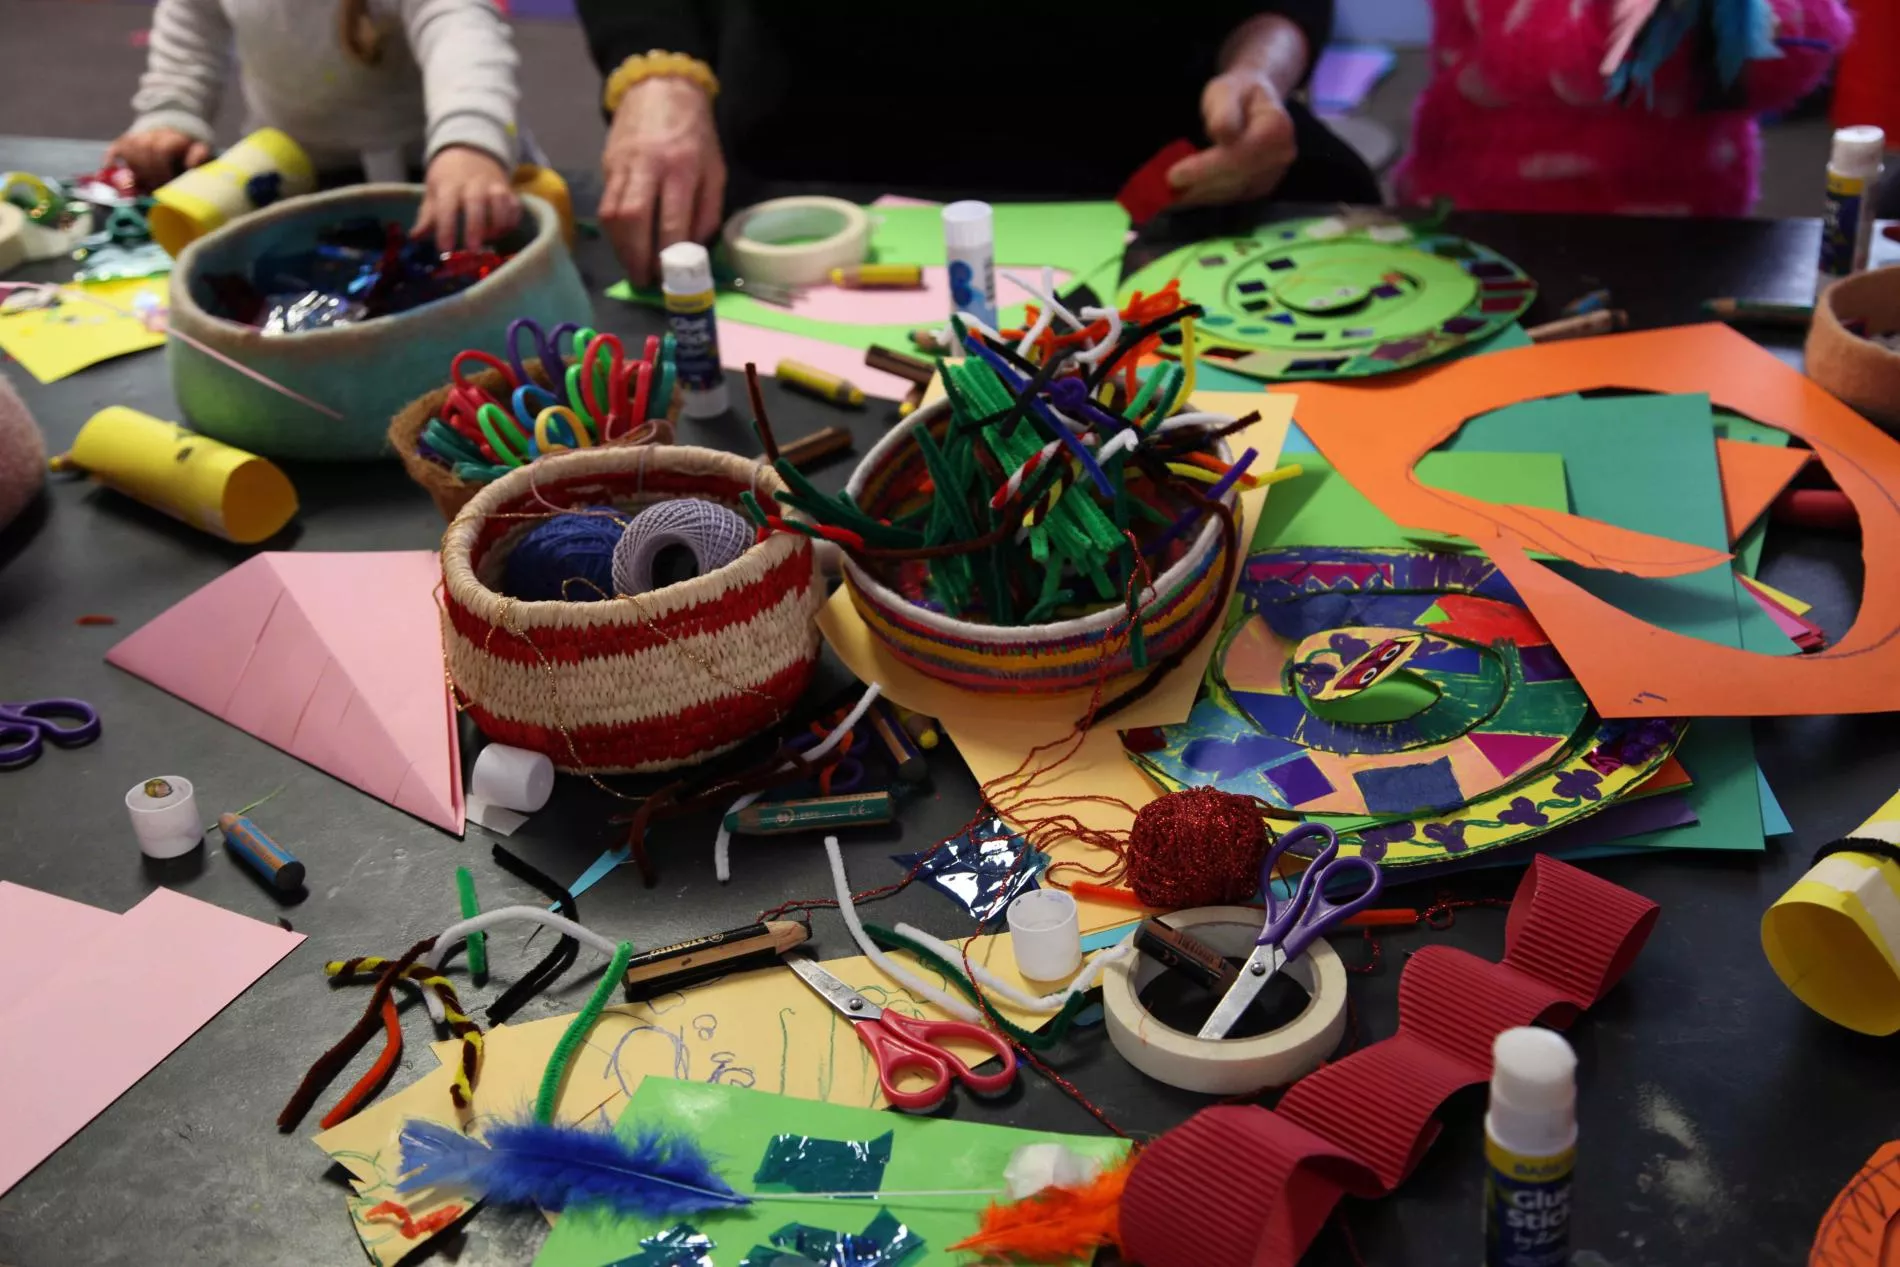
835,992
1254,975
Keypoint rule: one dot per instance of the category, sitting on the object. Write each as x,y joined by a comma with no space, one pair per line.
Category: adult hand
665,176
468,186
1253,142
158,154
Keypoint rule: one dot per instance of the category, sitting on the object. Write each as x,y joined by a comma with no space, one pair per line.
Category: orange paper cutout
1375,431
1855,1230
1753,475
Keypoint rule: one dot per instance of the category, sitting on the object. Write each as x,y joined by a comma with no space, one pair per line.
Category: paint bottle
686,280
969,241
1530,1147
1848,222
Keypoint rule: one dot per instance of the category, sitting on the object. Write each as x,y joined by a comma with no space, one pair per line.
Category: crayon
912,402
816,382
906,761
261,854
922,728
1176,949
775,818
910,368
700,959
1602,321
1759,312
879,277
814,448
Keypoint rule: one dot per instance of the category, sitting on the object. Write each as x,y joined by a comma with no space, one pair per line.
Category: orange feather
1057,1224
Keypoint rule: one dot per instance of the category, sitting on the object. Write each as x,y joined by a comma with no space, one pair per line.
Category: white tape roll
512,778
165,816
12,237
797,241
1227,1066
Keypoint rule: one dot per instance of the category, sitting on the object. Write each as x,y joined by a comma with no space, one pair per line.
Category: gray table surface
1718,1115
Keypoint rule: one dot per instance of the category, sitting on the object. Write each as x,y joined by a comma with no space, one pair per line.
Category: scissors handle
899,1044
1321,914
41,714
19,744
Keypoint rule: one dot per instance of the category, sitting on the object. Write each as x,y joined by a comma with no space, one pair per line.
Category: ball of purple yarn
568,558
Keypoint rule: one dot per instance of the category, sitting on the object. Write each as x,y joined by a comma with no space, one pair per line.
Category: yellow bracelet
654,64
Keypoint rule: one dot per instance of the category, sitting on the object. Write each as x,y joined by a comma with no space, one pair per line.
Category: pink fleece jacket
1514,118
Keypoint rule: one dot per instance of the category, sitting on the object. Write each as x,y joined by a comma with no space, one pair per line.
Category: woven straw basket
449,491
628,684
1064,655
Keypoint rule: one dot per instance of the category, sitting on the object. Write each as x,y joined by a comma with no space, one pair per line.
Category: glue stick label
1840,224
696,333
1526,1208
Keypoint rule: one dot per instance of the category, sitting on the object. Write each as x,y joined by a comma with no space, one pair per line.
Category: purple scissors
545,346
1293,923
26,726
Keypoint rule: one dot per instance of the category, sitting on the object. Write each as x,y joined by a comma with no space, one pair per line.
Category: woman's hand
1253,142
158,154
467,185
665,176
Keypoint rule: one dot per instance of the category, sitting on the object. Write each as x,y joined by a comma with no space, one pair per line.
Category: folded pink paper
120,1003
335,658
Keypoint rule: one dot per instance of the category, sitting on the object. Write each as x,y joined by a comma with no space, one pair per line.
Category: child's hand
1253,142
157,155
466,184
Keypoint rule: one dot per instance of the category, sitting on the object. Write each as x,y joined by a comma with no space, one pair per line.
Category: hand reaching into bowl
156,155
466,186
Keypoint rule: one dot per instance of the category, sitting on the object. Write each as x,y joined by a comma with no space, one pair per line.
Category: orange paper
1375,431
1855,1230
1752,476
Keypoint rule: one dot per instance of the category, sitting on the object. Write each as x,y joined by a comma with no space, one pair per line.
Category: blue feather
658,1174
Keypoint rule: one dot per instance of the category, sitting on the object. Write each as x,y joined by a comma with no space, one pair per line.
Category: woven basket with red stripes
631,683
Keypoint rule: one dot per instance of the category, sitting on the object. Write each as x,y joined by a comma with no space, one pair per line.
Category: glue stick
1530,1146
969,241
1847,224
687,282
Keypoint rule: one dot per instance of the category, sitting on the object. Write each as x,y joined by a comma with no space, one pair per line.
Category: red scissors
899,1044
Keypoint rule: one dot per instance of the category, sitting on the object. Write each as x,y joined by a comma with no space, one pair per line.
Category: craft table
1719,1116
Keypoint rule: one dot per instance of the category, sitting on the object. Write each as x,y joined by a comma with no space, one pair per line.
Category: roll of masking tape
12,237
512,778
1227,1066
797,241
1834,938
165,816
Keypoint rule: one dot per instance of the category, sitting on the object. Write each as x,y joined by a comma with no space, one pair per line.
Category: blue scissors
847,770
546,345
1293,923
26,726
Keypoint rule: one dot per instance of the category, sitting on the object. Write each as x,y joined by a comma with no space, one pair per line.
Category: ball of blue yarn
571,547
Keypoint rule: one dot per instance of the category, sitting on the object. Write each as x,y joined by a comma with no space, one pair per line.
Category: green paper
1080,238
1318,508
1730,425
734,1125
1648,463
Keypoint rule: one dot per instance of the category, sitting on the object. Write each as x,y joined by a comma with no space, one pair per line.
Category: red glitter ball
1198,847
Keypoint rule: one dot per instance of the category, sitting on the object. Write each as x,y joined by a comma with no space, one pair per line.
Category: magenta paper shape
335,658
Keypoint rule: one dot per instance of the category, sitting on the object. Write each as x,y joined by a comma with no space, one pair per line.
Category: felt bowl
1064,655
1859,371
368,371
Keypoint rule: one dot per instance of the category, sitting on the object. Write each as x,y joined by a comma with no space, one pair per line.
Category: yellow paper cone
210,485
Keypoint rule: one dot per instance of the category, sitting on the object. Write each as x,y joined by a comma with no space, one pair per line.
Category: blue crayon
261,854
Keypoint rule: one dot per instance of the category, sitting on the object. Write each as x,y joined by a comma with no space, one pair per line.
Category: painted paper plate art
1329,298
1407,688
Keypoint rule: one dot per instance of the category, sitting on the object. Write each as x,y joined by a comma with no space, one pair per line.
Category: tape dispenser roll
1227,1066
797,241
12,237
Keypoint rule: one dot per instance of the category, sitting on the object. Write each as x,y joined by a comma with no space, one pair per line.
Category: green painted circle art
1319,299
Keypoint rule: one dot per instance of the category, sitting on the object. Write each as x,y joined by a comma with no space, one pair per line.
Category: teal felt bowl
368,371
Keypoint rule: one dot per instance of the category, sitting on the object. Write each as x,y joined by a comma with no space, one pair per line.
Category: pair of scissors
1294,923
545,345
899,1044
845,771
27,725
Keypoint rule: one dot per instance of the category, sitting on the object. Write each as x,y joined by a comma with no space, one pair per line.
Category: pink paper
925,306
739,343
335,658
32,926
120,1003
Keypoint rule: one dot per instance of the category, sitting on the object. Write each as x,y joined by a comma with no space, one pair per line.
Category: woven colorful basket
628,684
449,491
1063,655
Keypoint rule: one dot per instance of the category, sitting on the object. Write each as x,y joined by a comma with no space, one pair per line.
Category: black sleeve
617,29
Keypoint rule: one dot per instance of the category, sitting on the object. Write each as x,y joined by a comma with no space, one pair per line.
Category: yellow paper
996,733
1793,604
54,342
208,484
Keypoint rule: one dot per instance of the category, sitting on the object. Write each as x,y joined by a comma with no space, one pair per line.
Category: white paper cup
1046,934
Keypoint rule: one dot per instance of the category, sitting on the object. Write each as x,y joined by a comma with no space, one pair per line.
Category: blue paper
982,870
804,1163
1774,822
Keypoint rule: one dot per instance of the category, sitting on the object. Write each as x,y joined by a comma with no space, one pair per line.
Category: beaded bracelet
654,64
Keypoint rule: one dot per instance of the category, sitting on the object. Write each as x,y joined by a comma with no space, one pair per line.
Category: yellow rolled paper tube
207,196
547,184
1834,938
208,484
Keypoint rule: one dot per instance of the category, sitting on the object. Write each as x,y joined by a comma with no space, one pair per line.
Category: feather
657,1174
1056,1224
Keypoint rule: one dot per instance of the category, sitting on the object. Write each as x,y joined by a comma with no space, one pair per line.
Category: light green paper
734,1124
1080,238
1318,508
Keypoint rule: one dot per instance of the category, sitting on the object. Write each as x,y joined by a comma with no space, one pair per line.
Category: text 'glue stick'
686,281
1530,1147
969,241
1847,224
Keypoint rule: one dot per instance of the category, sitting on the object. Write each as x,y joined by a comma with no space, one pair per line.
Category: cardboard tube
1834,940
208,484
207,196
